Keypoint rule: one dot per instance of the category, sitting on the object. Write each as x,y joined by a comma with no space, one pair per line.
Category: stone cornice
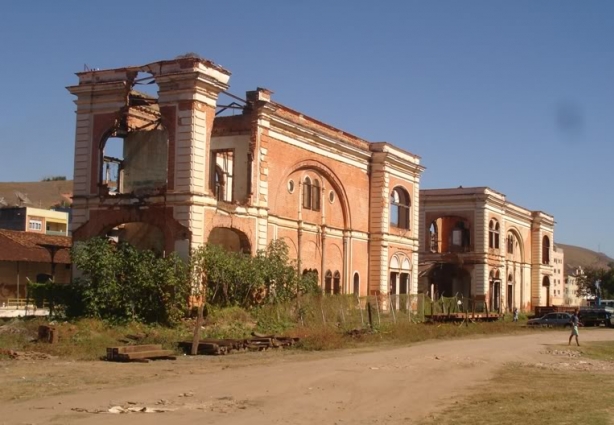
308,135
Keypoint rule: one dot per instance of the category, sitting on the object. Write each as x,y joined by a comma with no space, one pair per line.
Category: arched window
546,250
312,191
328,282
510,243
315,195
311,272
493,234
337,283
356,283
399,208
307,193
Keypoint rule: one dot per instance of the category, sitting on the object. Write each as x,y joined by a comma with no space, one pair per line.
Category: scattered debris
595,365
122,409
25,355
356,333
49,334
136,337
565,353
140,353
136,409
260,342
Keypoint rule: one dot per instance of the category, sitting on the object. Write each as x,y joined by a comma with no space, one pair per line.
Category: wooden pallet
140,353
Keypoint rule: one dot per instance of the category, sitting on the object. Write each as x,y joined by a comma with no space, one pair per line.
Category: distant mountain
40,194
577,256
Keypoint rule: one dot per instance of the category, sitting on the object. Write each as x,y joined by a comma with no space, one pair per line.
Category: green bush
122,283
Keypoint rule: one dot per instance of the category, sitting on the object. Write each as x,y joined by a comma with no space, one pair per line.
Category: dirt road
399,385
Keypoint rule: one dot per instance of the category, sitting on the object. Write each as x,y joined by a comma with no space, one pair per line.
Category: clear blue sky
515,95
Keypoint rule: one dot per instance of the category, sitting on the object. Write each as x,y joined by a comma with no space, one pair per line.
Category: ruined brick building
476,244
173,170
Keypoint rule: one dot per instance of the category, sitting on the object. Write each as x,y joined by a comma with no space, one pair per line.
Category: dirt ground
370,386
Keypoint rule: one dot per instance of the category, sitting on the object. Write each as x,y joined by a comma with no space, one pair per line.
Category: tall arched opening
143,236
546,285
230,239
449,280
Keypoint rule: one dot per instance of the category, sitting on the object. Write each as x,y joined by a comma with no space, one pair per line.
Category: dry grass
330,338
85,339
525,394
88,339
601,350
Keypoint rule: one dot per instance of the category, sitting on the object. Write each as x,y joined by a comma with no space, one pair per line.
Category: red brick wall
283,159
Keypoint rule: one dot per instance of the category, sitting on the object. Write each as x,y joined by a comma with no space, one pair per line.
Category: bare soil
378,385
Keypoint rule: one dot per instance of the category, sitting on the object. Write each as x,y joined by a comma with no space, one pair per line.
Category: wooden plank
145,354
136,348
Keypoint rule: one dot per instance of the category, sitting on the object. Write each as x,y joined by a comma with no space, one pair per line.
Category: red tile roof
26,247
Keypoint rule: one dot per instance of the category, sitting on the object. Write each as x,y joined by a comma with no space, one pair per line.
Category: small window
291,186
35,225
331,196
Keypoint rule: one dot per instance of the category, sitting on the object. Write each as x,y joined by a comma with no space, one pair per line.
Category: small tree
587,281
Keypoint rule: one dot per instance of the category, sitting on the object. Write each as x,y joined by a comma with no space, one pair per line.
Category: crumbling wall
145,160
142,236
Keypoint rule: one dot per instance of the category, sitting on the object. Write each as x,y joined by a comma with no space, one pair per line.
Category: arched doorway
400,269
510,292
546,285
356,288
495,290
449,280
232,240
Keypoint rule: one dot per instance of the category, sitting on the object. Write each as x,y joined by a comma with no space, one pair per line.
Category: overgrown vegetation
121,289
120,283
237,279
